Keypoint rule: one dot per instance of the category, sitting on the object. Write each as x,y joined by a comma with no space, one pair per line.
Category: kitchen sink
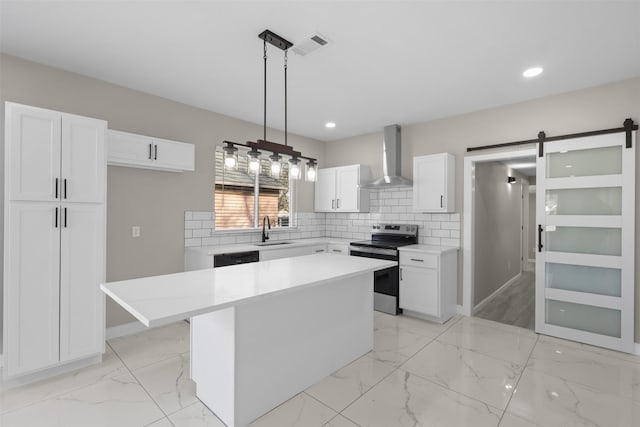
271,243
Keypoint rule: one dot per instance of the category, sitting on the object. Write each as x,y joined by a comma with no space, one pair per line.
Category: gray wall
154,200
498,214
593,108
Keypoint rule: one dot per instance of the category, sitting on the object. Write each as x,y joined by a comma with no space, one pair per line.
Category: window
235,192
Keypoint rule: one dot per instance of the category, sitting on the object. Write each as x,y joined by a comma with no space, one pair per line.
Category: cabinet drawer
416,259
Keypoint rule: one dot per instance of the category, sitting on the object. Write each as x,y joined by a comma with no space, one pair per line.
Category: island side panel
287,343
213,358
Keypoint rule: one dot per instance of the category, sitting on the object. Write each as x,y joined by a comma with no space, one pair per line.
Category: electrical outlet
135,231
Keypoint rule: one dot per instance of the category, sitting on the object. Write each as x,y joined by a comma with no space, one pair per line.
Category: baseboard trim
21,380
460,310
124,330
485,301
637,349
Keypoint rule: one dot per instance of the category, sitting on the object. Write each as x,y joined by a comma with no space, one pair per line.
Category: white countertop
430,249
244,247
164,299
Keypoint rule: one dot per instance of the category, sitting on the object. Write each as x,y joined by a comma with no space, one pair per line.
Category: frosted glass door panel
599,320
596,161
584,240
579,278
585,201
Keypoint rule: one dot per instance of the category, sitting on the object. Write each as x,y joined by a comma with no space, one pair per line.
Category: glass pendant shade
294,169
311,171
254,161
275,164
230,156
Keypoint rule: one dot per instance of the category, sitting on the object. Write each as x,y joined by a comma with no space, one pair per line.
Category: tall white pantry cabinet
54,237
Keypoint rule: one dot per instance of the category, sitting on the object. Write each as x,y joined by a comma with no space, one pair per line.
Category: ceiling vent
310,44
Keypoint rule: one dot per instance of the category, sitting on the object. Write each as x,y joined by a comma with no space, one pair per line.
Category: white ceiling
388,62
525,165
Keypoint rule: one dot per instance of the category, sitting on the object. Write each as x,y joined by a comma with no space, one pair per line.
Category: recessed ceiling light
532,72
330,125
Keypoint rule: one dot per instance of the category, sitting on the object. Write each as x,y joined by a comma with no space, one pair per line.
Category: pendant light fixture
263,145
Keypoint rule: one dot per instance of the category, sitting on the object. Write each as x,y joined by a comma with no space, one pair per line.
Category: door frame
468,216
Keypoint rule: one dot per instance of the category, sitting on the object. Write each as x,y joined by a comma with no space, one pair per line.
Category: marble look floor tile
341,388
553,402
394,347
473,374
118,401
633,358
196,415
579,365
510,420
301,410
340,421
412,324
168,383
404,399
504,342
152,345
497,325
161,423
19,397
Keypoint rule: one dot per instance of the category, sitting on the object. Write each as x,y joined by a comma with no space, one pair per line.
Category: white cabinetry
266,255
54,247
338,248
434,183
139,151
338,189
428,283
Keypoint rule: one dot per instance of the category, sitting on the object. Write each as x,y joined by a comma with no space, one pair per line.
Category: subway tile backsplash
386,205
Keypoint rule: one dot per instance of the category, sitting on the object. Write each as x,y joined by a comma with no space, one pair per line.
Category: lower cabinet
428,283
338,248
54,306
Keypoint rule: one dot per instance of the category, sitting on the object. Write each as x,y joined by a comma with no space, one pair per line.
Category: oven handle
369,250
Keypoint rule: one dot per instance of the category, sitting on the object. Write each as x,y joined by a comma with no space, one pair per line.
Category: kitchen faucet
265,236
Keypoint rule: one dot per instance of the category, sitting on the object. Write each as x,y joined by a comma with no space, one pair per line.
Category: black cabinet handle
65,217
56,217
64,181
57,187
417,260
540,238
442,201
155,157
150,148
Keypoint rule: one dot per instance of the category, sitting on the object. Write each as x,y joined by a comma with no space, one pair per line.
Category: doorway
499,237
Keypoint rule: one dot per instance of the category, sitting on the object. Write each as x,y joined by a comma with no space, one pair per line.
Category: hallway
515,305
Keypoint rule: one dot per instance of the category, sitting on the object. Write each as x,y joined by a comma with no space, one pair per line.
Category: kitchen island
262,332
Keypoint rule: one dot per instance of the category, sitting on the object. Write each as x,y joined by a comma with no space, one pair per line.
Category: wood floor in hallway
514,305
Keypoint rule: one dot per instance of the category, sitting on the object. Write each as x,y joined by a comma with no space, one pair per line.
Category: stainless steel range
384,244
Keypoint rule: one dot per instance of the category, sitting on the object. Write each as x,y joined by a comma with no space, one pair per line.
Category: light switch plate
135,231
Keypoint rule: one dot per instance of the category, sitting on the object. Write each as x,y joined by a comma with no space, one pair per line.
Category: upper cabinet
338,189
434,183
139,151
54,156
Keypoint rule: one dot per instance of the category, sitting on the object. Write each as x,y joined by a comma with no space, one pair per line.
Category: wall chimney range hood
391,160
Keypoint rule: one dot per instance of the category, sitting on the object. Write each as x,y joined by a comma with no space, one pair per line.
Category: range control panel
404,229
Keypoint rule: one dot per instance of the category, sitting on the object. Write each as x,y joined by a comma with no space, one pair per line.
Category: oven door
385,281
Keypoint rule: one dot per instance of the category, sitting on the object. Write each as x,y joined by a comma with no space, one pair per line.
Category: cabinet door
269,254
31,286
337,248
82,270
347,188
173,155
325,190
419,290
429,183
33,152
83,159
128,149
